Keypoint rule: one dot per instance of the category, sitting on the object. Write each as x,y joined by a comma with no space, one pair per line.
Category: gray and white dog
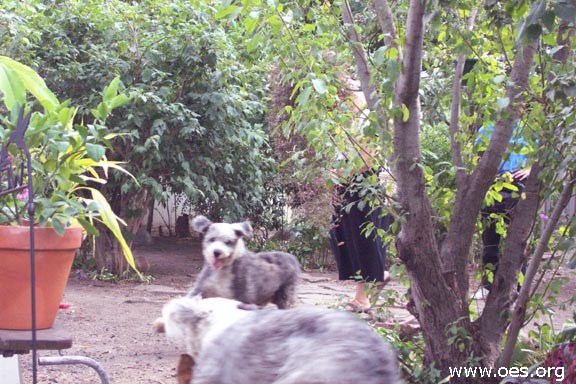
233,272
229,345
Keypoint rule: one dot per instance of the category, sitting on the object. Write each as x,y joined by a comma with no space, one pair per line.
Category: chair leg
76,360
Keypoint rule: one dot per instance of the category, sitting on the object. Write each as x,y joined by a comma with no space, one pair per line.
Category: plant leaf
32,82
95,151
110,220
12,88
319,86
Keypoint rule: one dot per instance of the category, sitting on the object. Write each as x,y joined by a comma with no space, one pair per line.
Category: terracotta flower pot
54,255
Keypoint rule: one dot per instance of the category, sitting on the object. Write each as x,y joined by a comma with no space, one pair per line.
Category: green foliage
308,242
196,123
197,72
66,158
316,60
410,352
458,337
105,275
88,267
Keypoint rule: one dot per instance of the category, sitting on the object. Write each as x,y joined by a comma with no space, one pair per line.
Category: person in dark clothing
359,257
491,239
514,164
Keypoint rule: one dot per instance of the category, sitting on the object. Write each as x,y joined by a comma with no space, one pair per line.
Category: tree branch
563,40
386,20
361,59
455,111
434,300
409,82
469,198
453,263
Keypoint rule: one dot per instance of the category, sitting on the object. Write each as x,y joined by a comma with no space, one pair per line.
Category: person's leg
340,244
366,294
491,239
360,297
370,251
490,253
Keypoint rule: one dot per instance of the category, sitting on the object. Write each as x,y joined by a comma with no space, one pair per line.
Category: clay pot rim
17,237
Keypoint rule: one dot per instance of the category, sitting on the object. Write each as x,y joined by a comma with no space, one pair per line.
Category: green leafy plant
410,352
67,157
104,274
195,87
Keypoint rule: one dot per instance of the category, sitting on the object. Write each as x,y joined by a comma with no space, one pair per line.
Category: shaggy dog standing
229,345
233,272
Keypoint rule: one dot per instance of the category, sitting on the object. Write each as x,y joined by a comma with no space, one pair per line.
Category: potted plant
67,161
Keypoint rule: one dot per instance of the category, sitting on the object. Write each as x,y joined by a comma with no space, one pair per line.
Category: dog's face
222,242
185,323
188,321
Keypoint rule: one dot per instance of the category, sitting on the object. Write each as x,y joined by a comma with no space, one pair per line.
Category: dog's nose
217,253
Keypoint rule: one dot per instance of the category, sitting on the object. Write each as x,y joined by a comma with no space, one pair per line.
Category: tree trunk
563,39
437,264
438,306
438,270
494,319
150,222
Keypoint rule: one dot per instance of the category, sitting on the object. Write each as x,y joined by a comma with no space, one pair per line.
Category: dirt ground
111,322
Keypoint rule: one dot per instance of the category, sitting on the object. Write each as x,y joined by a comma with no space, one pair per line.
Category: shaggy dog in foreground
233,272
228,345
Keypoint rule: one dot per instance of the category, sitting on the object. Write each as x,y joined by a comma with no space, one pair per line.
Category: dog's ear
201,224
243,230
186,310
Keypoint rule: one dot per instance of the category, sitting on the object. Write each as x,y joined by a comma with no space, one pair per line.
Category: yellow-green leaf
32,82
111,221
11,88
405,113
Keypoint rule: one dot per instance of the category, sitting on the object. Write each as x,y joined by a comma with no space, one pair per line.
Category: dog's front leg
199,286
184,369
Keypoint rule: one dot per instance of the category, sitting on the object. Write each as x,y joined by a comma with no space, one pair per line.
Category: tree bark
441,301
563,39
108,252
361,59
435,302
456,150
385,17
452,265
150,222
438,271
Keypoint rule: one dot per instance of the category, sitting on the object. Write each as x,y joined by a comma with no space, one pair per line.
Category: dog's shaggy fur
301,345
233,272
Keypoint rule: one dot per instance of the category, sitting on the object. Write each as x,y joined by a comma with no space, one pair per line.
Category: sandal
354,307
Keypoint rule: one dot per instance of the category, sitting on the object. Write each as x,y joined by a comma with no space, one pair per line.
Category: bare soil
112,322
